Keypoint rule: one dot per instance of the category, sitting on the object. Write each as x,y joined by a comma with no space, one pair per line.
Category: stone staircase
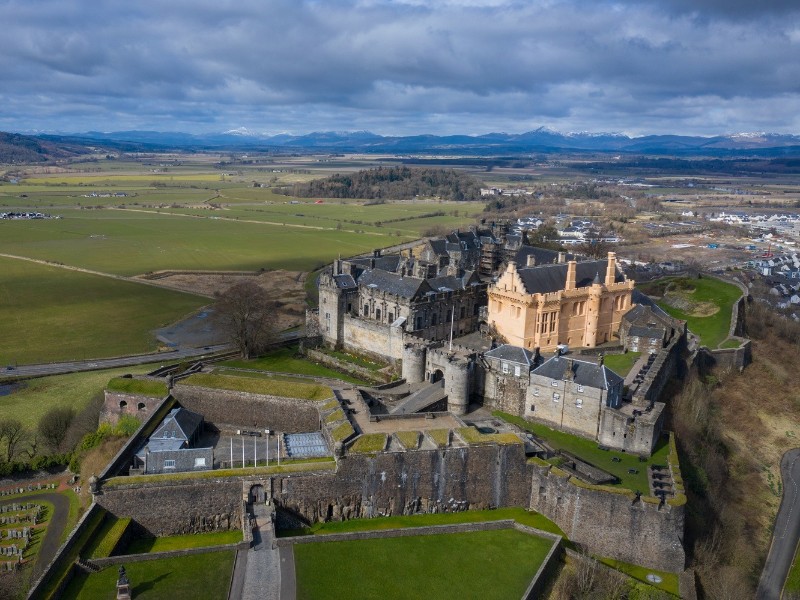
421,399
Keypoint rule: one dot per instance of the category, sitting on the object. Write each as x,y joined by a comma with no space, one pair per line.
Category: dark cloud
400,67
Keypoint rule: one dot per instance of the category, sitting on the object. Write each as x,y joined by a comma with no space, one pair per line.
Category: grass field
194,577
262,385
181,542
669,581
34,397
703,294
793,579
53,314
483,564
588,451
621,364
286,360
524,517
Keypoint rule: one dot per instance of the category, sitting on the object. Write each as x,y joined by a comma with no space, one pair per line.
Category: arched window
123,404
141,406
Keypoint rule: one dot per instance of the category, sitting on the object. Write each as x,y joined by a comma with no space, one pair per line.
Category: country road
787,531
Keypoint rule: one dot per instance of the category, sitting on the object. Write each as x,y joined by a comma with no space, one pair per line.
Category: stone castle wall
611,524
178,507
244,409
372,338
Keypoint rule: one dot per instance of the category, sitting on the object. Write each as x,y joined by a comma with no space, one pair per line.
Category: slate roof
583,373
438,247
465,239
646,332
545,279
345,281
389,262
179,424
393,283
543,256
511,353
645,312
452,282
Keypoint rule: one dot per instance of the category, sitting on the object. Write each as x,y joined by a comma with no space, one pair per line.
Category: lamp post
267,432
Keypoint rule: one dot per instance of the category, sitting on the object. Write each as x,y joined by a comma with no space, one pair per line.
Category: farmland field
52,314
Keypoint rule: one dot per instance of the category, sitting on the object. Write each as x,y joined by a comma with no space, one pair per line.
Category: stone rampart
611,523
117,404
245,409
177,508
347,367
663,369
372,338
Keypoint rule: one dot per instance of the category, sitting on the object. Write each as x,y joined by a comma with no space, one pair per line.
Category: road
109,363
787,531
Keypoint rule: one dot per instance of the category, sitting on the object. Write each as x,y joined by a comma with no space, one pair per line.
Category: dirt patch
689,306
285,287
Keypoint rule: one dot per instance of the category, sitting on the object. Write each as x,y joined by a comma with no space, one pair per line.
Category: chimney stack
562,257
571,267
611,271
531,261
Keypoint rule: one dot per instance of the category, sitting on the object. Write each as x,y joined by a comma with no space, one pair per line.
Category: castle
410,307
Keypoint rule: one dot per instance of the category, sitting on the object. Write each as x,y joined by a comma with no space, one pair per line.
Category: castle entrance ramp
421,399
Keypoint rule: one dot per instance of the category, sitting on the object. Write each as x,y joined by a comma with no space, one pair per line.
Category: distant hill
392,182
23,149
541,140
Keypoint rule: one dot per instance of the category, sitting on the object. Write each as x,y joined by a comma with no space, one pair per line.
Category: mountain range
541,140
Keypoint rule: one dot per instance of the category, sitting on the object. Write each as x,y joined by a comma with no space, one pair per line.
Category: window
554,384
169,463
578,402
141,406
463,311
556,397
391,317
580,388
536,391
434,318
505,368
200,462
123,404
517,371
366,310
378,314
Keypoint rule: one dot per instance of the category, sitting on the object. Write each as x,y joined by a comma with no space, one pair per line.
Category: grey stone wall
611,524
372,338
348,367
258,411
172,508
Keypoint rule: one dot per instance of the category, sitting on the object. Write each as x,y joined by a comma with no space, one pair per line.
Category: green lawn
195,577
482,564
621,364
588,451
180,542
106,538
712,329
793,579
34,397
261,385
286,360
669,581
520,515
52,314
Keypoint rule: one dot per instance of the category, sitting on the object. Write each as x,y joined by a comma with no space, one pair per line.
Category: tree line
396,183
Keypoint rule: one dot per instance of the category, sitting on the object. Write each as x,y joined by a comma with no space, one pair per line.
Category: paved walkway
787,531
262,573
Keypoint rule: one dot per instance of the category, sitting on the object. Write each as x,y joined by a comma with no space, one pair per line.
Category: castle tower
336,293
611,270
413,363
571,269
593,313
456,385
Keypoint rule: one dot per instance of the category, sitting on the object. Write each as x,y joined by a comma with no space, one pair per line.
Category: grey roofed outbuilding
179,424
393,283
511,353
584,373
545,279
646,332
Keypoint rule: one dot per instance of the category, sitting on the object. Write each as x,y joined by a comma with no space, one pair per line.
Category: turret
611,270
571,268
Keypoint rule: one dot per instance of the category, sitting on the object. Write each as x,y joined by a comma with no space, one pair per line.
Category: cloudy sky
401,66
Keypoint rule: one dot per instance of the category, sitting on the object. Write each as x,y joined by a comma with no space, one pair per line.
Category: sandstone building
580,304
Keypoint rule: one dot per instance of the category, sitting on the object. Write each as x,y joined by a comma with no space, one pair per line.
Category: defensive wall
362,373
364,336
117,404
259,411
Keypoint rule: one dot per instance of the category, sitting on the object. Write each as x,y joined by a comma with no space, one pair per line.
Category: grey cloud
397,67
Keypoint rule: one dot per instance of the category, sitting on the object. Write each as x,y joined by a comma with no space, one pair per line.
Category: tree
53,427
12,432
249,317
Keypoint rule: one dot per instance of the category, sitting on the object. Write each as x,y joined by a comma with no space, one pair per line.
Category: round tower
413,370
456,386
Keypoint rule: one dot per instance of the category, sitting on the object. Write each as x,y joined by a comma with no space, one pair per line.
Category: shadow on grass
146,586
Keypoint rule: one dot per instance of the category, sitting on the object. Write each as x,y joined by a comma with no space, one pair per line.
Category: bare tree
249,317
12,432
53,427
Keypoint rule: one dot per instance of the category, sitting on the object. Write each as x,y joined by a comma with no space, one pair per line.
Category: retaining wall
348,367
258,411
112,411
